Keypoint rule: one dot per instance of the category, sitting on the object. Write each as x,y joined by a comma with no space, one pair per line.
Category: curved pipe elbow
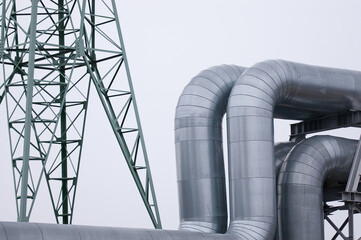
199,151
308,167
269,89
289,90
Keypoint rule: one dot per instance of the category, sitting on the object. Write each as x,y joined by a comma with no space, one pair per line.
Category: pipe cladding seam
269,89
307,168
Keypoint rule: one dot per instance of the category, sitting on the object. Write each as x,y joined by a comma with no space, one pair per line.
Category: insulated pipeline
281,151
313,163
199,150
269,89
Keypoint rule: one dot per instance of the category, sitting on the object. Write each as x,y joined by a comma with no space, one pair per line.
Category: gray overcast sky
167,43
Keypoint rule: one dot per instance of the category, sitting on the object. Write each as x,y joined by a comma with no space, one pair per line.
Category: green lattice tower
50,52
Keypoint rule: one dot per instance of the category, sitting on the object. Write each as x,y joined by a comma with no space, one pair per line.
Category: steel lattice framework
50,52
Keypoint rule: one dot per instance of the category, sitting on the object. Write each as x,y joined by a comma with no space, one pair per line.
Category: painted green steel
54,80
73,46
118,113
3,11
155,218
63,137
28,115
45,134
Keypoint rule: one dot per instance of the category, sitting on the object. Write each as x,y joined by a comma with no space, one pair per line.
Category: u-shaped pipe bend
271,89
199,149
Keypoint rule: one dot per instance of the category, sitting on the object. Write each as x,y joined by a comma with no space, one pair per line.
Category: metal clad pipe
281,151
269,89
198,138
308,166
272,84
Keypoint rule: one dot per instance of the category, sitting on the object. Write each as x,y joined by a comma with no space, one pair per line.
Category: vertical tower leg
28,115
45,63
108,67
63,125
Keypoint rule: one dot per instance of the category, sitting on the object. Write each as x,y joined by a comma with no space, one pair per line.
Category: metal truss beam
109,71
355,173
325,123
349,221
50,51
54,78
351,196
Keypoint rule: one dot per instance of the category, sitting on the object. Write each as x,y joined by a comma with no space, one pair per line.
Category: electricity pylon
50,52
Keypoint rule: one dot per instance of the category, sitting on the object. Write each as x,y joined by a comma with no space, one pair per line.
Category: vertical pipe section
307,168
199,151
251,155
23,217
281,151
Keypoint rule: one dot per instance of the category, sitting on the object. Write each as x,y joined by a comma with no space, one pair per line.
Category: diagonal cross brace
355,173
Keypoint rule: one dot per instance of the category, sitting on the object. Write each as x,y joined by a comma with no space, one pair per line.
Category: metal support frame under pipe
355,173
351,196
